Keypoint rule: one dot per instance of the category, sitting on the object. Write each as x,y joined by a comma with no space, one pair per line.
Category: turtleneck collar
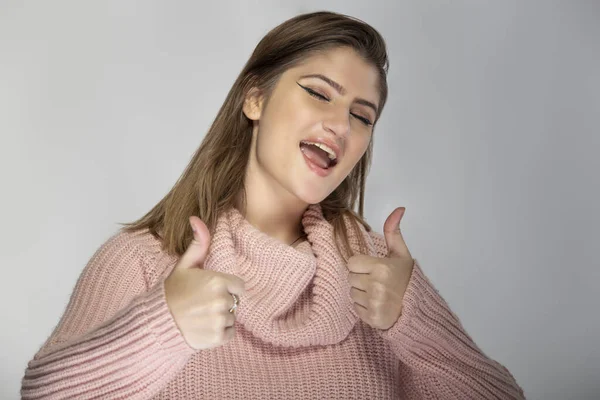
295,297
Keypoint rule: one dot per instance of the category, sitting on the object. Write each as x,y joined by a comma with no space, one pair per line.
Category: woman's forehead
343,66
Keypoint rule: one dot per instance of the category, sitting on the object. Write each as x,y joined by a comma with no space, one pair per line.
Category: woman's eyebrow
340,89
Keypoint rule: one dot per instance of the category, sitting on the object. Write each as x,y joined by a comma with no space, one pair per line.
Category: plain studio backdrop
490,139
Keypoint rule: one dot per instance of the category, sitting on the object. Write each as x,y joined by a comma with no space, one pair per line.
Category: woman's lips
322,172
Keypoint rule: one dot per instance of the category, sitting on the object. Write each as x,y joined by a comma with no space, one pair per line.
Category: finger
359,281
196,252
393,237
363,313
229,319
360,297
229,334
361,264
235,285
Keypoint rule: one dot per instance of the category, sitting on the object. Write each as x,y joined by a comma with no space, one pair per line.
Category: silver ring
236,301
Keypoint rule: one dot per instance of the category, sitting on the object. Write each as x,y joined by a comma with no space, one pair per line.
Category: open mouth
320,155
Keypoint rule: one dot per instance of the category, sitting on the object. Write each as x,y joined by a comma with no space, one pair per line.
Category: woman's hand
200,299
378,284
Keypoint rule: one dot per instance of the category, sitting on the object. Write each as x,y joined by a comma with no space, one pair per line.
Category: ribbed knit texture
297,334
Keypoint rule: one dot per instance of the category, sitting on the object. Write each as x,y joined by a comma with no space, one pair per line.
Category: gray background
490,140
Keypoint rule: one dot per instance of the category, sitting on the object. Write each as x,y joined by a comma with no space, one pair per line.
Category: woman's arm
437,355
116,338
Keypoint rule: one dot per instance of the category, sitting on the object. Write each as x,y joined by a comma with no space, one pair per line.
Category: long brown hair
214,177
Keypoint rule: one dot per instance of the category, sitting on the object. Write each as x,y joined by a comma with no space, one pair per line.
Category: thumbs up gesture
378,284
200,300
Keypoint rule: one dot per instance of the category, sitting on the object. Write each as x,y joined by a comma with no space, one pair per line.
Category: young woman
254,277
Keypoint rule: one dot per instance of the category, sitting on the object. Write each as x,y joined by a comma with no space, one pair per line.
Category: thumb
197,251
393,237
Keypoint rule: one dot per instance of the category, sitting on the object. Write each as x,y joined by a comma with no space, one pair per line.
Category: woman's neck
279,222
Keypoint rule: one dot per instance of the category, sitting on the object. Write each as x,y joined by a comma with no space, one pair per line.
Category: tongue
316,155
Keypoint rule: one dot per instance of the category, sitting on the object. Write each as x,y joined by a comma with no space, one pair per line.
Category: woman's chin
312,195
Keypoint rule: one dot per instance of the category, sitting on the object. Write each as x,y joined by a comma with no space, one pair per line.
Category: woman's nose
338,122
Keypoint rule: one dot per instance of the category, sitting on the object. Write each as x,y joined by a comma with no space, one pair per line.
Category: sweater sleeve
438,359
116,337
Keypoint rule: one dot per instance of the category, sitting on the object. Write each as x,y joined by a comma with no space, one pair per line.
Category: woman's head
343,50
274,100
331,96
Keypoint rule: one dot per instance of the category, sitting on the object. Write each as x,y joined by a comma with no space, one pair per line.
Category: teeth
329,151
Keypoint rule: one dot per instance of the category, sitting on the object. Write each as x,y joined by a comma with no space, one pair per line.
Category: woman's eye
313,93
319,96
362,119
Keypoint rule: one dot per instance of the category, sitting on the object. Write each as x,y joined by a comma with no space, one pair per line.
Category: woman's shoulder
140,242
132,250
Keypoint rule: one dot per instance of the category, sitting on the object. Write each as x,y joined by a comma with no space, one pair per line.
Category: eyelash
321,97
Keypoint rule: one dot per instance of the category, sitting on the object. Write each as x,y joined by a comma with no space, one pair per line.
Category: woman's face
331,97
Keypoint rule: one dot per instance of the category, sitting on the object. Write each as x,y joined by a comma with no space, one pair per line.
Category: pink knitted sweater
297,334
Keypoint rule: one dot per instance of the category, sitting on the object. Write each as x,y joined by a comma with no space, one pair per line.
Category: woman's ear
253,104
